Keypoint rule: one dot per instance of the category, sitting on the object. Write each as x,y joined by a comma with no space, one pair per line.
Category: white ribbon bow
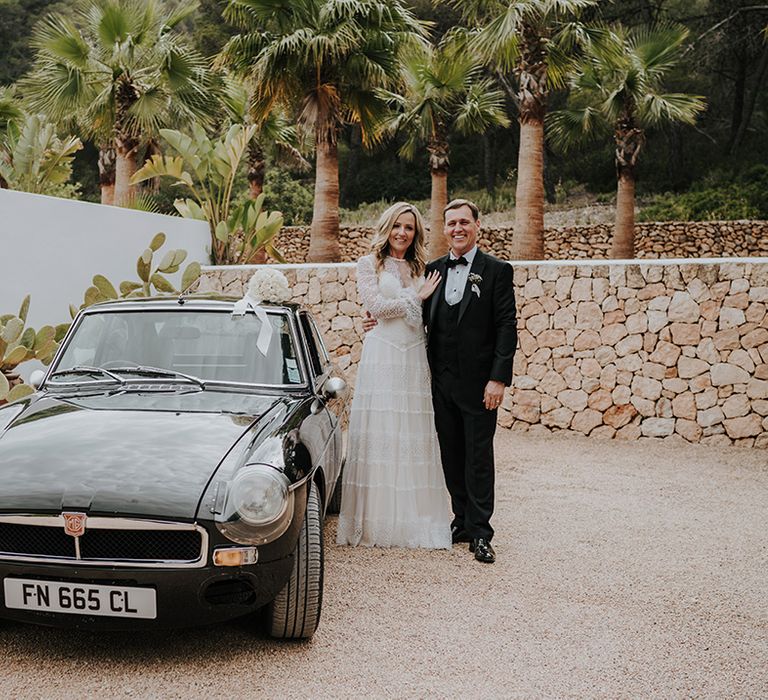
265,333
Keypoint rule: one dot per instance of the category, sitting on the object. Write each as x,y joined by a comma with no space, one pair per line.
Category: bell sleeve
405,305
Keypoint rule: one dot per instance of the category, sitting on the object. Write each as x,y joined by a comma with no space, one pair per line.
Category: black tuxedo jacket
487,324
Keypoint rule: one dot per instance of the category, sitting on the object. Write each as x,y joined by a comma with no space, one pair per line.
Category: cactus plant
19,344
151,277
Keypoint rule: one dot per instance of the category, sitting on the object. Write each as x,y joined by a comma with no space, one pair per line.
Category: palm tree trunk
629,140
256,168
623,245
107,174
438,245
125,167
324,236
528,238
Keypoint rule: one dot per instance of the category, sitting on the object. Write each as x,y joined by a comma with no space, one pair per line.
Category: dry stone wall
675,350
688,239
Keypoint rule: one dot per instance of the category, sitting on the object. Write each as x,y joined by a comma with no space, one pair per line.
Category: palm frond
671,107
481,109
658,47
568,128
59,40
498,42
112,24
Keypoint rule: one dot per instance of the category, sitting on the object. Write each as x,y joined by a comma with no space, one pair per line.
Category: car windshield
207,345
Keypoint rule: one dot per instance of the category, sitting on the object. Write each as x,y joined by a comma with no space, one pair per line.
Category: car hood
148,454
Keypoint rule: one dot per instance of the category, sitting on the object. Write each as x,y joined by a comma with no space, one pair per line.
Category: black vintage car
167,472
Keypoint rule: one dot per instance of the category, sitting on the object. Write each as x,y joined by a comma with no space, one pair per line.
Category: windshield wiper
159,372
84,369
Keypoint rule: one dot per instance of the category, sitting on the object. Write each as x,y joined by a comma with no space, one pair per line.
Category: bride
393,492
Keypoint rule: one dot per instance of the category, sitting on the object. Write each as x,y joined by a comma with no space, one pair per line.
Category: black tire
295,612
334,505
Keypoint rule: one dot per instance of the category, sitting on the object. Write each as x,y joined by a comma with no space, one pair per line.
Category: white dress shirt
456,278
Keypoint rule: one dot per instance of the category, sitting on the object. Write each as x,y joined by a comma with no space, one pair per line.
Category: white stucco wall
51,248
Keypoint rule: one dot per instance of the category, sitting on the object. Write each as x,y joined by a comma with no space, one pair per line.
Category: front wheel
295,612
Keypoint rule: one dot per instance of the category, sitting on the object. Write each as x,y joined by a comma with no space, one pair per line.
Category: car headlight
259,494
259,505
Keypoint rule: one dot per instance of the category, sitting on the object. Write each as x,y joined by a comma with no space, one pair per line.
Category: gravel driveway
624,570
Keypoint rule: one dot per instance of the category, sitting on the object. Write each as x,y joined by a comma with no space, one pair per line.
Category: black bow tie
452,262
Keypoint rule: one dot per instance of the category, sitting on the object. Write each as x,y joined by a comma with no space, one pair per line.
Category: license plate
80,599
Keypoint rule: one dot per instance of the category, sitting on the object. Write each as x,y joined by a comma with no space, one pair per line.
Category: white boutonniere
475,280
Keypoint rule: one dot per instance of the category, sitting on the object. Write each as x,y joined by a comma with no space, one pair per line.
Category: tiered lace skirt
394,491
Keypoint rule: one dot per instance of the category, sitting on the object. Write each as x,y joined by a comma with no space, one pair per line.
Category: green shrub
722,204
284,192
724,195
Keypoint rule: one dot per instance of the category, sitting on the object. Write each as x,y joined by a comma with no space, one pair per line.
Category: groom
471,340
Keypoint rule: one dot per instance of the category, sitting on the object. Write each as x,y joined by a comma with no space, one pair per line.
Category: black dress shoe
483,550
459,534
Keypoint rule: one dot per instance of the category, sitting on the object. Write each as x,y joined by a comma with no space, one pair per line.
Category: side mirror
36,378
334,387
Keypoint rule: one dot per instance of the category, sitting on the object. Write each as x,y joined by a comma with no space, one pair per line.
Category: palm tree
120,72
329,57
535,39
444,92
274,133
618,88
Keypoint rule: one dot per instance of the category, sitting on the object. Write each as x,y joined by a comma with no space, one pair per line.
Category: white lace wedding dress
394,492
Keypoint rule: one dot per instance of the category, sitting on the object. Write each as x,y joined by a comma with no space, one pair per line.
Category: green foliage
16,20
34,159
119,68
502,199
238,232
294,199
723,199
152,276
19,344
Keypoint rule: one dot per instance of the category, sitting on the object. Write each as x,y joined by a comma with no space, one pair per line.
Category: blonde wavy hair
416,255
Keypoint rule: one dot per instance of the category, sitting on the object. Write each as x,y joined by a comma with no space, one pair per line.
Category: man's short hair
458,203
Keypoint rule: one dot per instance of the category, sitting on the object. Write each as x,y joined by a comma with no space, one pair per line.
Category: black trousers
465,430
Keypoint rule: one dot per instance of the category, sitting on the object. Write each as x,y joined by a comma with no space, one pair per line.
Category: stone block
688,367
741,358
727,339
657,427
724,373
683,308
613,333
646,388
575,399
710,417
589,315
757,389
744,427
586,340
736,406
665,353
689,429
559,418
657,320
551,338
685,333
536,324
586,421
619,416
628,345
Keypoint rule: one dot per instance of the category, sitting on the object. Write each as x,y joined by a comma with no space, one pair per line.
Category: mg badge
74,523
